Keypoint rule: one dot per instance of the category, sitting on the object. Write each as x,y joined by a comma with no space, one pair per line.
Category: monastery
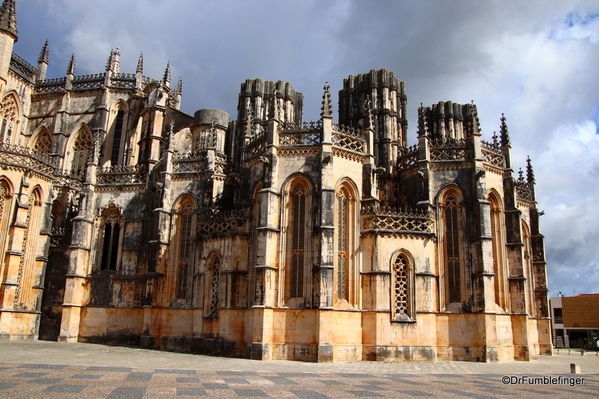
123,220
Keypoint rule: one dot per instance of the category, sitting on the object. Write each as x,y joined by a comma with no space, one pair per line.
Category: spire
166,80
530,176
140,63
113,63
505,134
179,88
327,109
71,68
8,17
44,54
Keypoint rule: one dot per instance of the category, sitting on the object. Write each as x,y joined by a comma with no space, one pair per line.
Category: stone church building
124,220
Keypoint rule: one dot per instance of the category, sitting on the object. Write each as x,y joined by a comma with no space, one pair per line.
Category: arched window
81,148
185,236
111,229
257,296
298,222
402,308
213,284
499,267
116,139
452,227
345,224
528,270
8,117
114,145
43,143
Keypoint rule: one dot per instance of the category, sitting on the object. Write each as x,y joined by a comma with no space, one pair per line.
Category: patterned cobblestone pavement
53,370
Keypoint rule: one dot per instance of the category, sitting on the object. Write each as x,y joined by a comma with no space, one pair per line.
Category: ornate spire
140,63
530,176
327,109
179,88
166,80
71,67
8,17
44,54
505,134
520,175
367,107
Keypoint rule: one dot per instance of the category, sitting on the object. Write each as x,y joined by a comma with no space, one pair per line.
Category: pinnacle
8,17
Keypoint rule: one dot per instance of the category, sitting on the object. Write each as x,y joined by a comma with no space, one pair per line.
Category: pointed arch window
112,225
4,212
298,245
528,270
345,222
499,268
43,143
81,150
451,238
402,288
8,116
185,251
116,138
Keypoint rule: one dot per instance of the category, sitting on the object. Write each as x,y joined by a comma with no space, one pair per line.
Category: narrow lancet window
298,243
342,245
185,249
110,248
116,140
452,249
401,305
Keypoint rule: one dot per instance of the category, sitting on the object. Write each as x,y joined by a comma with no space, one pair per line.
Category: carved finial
8,17
495,139
505,134
71,67
422,122
367,107
44,54
140,63
520,175
166,80
179,89
530,176
327,109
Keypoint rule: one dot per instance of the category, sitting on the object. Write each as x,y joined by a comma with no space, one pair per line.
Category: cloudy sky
535,61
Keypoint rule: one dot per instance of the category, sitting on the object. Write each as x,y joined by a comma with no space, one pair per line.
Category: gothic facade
125,220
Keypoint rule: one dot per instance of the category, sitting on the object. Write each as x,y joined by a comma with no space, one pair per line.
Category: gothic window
298,243
342,240
43,143
185,252
4,211
81,149
116,139
451,246
256,214
8,116
111,230
402,288
345,223
213,282
296,270
498,240
528,270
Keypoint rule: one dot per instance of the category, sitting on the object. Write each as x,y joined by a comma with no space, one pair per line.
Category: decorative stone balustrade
22,68
233,221
387,220
449,149
348,138
492,154
121,175
23,157
407,157
524,191
190,162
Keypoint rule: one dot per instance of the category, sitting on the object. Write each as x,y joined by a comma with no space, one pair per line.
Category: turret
8,37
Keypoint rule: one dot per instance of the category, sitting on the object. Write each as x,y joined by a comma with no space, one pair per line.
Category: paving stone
416,393
30,375
86,376
188,379
365,394
281,381
127,393
215,385
174,371
235,381
307,394
250,393
192,392
45,380
139,377
43,366
65,388
7,385
117,369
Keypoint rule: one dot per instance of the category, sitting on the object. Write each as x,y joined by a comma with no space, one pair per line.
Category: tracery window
298,243
4,212
8,116
81,149
186,215
499,268
213,281
452,248
111,239
402,286
116,138
346,280
342,244
528,270
43,143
